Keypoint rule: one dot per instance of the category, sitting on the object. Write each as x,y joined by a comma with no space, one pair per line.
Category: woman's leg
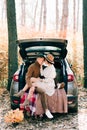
21,92
30,94
44,102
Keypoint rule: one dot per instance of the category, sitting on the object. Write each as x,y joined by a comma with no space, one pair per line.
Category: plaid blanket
32,104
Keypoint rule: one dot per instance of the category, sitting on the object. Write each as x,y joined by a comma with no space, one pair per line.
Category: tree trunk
78,16
57,15
44,16
35,13
64,22
23,12
43,13
74,16
74,35
85,40
4,11
12,37
40,21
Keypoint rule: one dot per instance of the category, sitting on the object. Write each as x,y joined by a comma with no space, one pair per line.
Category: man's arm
29,74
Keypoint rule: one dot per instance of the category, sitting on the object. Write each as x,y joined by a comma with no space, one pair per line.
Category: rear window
36,50
42,48
32,48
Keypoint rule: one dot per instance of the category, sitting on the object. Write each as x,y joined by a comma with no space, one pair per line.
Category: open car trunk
29,49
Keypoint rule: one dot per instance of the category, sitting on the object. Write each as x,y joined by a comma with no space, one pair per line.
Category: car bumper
15,101
72,101
13,88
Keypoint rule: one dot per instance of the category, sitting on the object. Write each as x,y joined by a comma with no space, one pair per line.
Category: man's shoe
61,85
19,94
48,114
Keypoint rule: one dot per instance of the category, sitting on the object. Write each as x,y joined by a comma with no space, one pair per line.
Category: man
34,71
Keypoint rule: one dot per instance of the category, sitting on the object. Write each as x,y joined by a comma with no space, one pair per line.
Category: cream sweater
47,84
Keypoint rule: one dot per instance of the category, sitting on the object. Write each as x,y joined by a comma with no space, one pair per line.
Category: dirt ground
70,121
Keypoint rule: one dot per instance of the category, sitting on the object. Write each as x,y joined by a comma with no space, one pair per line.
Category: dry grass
75,48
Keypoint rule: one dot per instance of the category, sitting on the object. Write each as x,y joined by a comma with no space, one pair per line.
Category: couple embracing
40,78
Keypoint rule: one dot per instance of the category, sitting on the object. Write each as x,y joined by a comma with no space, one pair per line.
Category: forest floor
70,121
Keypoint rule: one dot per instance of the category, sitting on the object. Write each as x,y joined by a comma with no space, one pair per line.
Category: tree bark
35,13
85,40
23,12
74,16
12,37
57,15
44,16
64,21
40,21
4,11
78,16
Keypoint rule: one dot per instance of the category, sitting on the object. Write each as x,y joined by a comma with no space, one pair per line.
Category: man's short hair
40,56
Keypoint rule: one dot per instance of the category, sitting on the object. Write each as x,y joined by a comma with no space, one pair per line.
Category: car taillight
70,77
15,77
16,102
